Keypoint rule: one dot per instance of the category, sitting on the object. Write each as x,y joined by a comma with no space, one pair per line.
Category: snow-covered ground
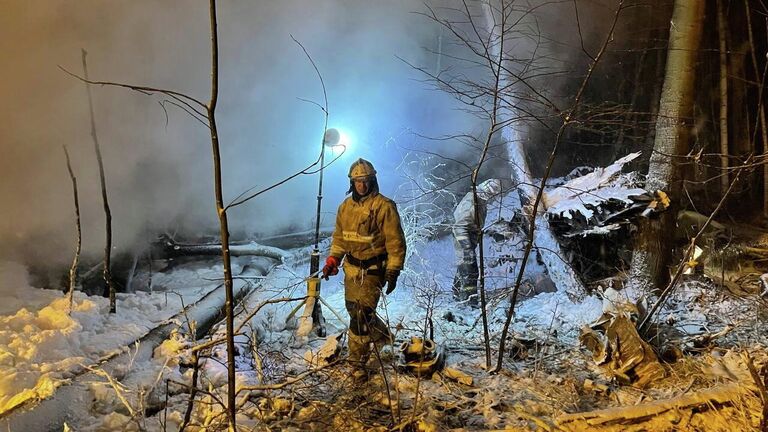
42,344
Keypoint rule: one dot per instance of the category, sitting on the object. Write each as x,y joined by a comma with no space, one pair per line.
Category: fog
157,158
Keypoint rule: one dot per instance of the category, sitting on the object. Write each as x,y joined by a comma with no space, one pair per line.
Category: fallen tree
169,248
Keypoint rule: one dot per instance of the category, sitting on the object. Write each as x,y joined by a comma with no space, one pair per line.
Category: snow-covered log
174,249
688,411
654,413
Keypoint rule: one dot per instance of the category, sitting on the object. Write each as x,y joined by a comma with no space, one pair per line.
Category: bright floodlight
337,140
331,137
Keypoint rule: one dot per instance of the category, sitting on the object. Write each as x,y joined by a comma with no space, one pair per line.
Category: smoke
158,158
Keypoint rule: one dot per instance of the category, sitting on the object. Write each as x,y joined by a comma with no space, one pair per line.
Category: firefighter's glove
331,267
391,277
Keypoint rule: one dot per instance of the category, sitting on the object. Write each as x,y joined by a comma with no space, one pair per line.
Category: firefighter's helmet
361,168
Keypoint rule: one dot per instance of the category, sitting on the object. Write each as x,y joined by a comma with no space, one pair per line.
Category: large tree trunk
652,252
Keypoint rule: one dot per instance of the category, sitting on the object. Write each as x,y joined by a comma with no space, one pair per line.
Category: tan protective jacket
369,228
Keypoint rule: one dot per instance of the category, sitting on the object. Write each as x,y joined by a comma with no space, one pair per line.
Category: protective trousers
465,281
362,289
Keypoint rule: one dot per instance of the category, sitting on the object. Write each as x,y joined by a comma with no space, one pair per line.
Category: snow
556,312
582,202
41,344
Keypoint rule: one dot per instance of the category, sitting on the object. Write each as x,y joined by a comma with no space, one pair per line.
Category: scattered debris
588,192
617,346
593,216
698,410
658,204
590,385
420,356
690,222
764,284
453,373
520,347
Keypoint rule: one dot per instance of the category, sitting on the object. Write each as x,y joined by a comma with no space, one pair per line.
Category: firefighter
370,240
466,235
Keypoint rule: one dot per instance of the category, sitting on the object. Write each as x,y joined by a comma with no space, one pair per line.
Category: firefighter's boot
359,352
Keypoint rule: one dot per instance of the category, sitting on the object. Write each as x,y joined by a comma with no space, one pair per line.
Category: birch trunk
76,259
544,239
651,253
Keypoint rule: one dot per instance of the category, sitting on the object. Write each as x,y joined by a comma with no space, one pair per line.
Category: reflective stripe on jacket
369,228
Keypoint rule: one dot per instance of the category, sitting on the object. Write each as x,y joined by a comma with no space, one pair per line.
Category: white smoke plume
158,162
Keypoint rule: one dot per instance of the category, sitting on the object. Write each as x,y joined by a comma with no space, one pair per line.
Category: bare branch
141,89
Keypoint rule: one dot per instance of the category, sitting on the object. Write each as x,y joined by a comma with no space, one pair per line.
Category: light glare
344,139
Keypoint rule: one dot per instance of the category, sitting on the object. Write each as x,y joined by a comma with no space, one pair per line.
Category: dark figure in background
466,235
370,239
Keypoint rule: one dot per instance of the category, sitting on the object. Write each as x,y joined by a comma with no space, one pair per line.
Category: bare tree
76,259
481,34
505,95
569,116
223,222
205,113
110,285
722,37
761,122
